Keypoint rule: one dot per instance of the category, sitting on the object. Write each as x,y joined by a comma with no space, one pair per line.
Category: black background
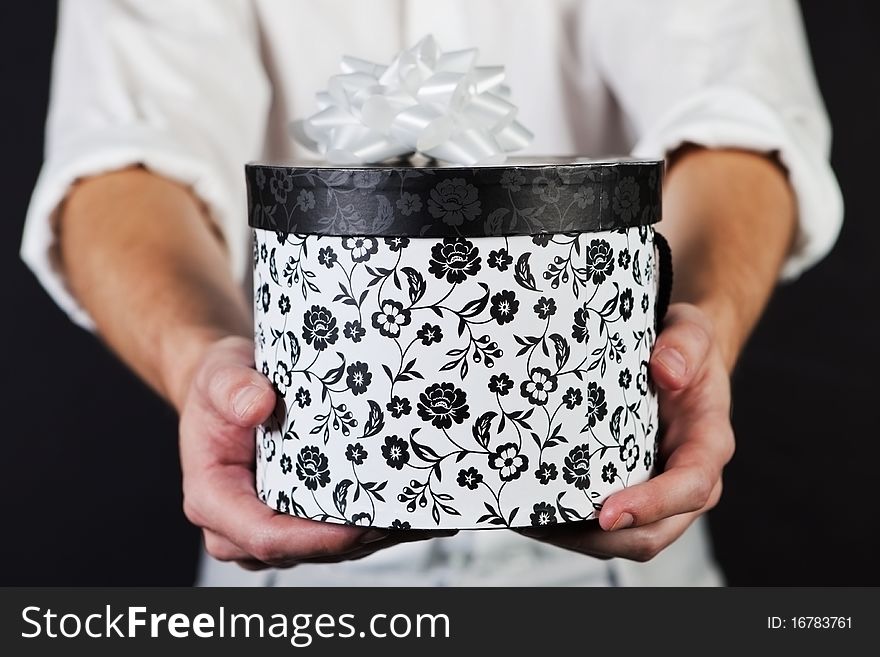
89,489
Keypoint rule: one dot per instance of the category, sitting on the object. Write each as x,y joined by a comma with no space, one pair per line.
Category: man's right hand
227,398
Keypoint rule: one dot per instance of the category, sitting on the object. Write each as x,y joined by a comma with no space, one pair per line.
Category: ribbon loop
440,104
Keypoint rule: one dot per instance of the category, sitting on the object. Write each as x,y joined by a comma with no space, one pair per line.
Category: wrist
727,334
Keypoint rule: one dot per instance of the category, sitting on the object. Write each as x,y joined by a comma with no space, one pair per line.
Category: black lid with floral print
522,197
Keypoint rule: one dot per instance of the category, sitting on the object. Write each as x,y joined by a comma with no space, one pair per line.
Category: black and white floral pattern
455,382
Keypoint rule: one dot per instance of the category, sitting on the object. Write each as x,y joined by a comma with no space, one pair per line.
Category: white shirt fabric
193,90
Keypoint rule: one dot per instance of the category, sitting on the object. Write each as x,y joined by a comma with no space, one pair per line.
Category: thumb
238,393
681,347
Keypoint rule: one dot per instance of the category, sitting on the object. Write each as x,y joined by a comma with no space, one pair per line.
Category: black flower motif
312,468
625,378
626,199
539,386
398,407
572,398
623,259
354,331
626,304
395,451
355,453
541,239
429,334
546,473
609,473
500,384
286,464
470,478
282,502
579,330
359,377
409,203
396,243
509,462
545,308
264,253
499,259
454,201
642,378
629,453
455,259
319,328
648,460
282,377
597,407
645,303
361,248
543,514
576,468
504,306
361,519
303,397
327,257
442,404
265,297
600,261
284,304
390,317
280,185
400,524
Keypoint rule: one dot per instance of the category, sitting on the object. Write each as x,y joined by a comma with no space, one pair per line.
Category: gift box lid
525,196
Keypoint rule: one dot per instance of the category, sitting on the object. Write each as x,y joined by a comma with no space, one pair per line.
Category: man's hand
697,442
226,400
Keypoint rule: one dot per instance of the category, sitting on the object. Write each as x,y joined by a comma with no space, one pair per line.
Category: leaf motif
273,269
482,428
522,273
375,421
563,351
340,494
615,422
416,282
611,304
476,306
384,215
495,220
424,452
636,269
334,376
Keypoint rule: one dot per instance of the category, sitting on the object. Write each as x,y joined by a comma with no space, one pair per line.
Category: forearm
730,219
140,254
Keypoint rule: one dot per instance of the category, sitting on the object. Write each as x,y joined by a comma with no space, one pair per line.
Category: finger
222,499
691,474
681,347
236,391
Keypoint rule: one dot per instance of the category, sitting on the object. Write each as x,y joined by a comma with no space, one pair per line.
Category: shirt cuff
732,118
96,153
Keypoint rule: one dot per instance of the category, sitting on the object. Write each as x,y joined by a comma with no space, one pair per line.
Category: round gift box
455,347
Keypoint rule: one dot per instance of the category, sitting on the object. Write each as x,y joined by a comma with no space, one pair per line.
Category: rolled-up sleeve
725,74
177,87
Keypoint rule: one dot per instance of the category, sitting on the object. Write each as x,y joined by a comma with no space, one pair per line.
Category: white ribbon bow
438,103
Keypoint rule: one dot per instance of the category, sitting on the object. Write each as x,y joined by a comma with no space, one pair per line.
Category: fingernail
623,521
244,399
373,535
673,361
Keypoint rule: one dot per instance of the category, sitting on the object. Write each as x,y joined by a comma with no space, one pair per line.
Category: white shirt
195,89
